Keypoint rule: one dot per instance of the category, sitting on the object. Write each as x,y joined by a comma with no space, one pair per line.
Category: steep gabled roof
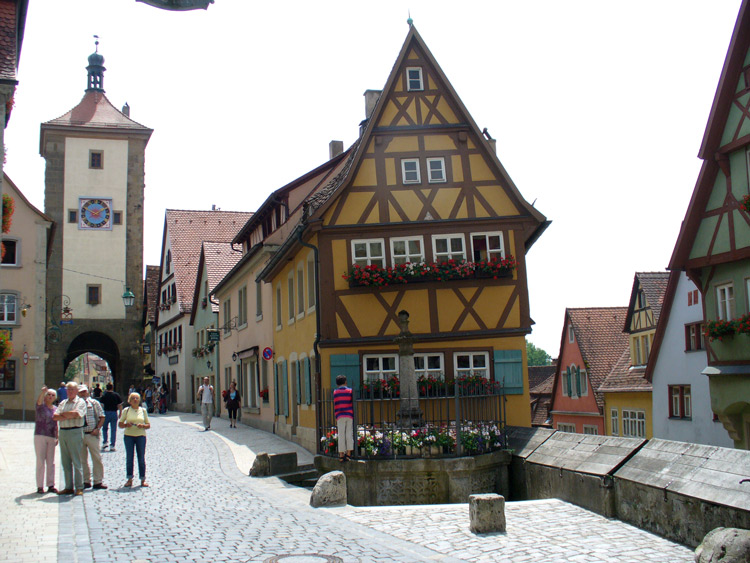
654,286
598,332
217,260
95,113
151,292
714,154
541,378
661,327
187,230
623,378
414,40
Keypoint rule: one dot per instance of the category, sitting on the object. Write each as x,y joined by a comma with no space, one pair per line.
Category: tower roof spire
96,69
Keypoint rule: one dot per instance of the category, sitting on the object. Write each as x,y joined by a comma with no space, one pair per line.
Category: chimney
371,98
126,109
335,148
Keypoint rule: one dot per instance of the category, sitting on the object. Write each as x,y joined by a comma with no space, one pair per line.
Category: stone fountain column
409,414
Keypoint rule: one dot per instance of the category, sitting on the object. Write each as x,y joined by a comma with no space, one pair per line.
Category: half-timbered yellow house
420,216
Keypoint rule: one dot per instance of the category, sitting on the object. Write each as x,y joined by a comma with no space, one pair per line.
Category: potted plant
6,348
719,330
9,206
264,394
742,324
745,205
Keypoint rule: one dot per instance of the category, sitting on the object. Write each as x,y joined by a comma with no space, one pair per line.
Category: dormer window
169,261
414,79
435,170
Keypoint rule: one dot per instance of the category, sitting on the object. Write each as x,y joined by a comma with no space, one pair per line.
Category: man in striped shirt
343,410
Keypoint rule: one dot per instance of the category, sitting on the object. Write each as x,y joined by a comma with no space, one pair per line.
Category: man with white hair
94,421
70,415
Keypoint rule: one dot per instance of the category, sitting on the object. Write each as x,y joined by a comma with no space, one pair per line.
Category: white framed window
566,427
410,171
591,429
725,301
436,170
681,404
582,386
414,82
637,351
278,306
227,317
645,347
614,419
8,308
468,364
12,256
380,366
448,247
242,306
633,423
258,301
487,246
300,290
369,252
311,293
407,249
290,297
571,334
429,364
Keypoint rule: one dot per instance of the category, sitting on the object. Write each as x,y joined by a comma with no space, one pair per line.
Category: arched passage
96,343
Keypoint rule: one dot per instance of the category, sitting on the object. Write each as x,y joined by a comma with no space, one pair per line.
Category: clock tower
94,183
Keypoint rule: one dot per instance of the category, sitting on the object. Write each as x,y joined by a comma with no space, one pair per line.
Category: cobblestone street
202,507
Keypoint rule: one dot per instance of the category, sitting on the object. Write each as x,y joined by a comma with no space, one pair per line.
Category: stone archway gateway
99,344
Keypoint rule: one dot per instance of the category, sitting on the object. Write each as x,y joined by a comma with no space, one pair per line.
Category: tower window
93,294
414,79
72,216
117,217
96,159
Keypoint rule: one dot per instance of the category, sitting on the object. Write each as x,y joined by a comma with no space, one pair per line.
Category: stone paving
202,507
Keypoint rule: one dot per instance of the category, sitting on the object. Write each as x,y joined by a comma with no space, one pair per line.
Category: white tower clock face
95,213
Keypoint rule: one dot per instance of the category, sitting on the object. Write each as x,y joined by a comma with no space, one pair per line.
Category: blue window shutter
348,365
308,383
285,384
509,370
276,389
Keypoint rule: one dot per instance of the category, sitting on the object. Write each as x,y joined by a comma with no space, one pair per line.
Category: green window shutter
308,382
348,365
509,370
276,389
578,381
285,386
298,364
568,381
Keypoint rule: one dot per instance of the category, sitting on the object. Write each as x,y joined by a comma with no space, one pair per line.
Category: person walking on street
70,415
343,410
45,440
206,397
149,397
112,404
233,404
62,392
93,422
134,419
97,392
163,394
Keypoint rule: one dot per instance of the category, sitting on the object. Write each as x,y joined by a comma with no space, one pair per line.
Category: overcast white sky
598,108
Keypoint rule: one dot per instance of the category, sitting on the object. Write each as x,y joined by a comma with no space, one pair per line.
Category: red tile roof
219,260
96,111
654,286
8,49
541,378
151,292
624,378
598,331
188,230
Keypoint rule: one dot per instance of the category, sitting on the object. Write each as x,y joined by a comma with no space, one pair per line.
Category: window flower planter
378,276
745,205
719,330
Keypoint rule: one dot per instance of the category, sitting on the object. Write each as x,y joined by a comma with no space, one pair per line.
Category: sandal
128,483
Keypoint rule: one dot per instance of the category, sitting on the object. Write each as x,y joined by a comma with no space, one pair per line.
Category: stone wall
678,490
420,481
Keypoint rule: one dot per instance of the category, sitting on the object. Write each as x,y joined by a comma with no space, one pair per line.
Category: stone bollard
728,545
330,490
486,513
261,466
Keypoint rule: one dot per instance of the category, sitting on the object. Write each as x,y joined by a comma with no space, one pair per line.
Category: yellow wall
634,401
